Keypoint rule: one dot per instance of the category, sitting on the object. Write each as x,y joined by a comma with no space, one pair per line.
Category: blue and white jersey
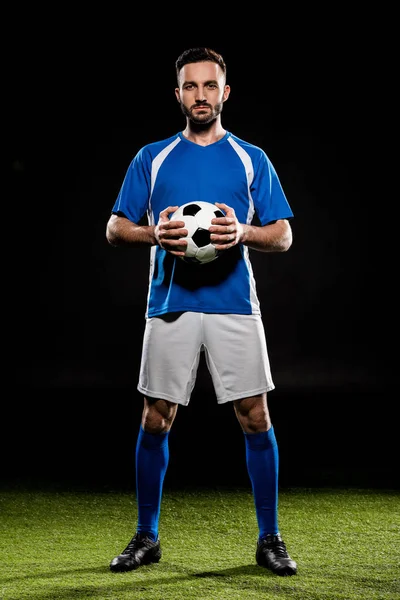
175,171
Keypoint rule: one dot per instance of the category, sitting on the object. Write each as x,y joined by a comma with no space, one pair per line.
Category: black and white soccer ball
197,218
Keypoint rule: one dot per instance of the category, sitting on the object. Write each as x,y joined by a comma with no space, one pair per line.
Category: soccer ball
197,218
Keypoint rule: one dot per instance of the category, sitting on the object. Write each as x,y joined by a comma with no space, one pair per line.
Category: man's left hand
226,231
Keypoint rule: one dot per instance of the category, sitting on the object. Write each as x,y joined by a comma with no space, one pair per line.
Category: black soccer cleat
272,554
141,550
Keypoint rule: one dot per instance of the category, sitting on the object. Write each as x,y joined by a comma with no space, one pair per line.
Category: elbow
113,231
286,239
111,237
287,242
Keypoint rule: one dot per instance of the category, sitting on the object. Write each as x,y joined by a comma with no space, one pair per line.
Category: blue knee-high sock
152,455
262,461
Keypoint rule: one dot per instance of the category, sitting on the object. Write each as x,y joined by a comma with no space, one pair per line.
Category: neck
204,135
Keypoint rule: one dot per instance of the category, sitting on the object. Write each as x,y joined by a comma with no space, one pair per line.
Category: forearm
123,232
276,237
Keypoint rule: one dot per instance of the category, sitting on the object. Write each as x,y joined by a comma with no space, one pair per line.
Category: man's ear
177,94
227,91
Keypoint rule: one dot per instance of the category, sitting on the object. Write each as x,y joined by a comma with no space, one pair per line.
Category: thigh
237,356
170,357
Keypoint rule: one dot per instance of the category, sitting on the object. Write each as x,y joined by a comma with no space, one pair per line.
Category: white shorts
235,351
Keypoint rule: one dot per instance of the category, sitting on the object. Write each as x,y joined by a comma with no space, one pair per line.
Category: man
216,302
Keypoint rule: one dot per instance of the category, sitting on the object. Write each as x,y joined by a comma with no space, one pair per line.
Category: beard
206,117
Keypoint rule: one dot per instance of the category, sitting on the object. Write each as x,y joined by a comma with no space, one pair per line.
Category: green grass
57,544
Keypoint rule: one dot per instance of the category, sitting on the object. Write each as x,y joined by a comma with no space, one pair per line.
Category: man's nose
201,94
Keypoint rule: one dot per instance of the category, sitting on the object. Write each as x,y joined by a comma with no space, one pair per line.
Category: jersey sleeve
269,198
133,198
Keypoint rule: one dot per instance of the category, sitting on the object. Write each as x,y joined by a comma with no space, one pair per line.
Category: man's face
202,91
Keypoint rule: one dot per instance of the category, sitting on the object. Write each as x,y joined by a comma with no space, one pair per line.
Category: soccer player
211,308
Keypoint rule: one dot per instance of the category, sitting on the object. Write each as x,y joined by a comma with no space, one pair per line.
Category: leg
151,464
262,459
263,466
152,456
162,394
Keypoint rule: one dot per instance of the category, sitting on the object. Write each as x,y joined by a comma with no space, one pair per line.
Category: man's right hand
169,234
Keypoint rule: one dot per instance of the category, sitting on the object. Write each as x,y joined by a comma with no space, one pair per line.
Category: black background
82,96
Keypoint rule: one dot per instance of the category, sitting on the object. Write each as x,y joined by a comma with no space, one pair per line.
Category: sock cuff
153,440
261,440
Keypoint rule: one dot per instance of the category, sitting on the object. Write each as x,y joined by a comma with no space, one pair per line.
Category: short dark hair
194,55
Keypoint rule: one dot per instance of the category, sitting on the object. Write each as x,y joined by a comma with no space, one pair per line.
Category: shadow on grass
240,570
231,572
51,575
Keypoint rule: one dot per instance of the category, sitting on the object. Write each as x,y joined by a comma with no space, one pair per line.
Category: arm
227,232
167,234
275,237
121,231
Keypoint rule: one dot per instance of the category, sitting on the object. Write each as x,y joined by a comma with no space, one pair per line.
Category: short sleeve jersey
175,171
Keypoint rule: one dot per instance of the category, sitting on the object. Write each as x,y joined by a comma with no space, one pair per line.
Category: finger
175,247
222,240
178,245
223,229
174,225
167,211
227,209
174,232
221,222
224,246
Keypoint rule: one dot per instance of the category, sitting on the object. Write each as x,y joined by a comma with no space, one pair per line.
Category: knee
155,424
253,414
157,419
